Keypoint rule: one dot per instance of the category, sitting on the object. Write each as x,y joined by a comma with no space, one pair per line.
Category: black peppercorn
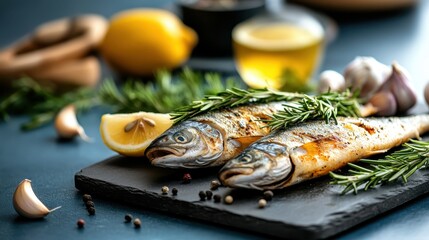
128,218
86,197
89,204
137,223
91,211
187,178
80,223
217,198
268,195
209,195
202,195
174,191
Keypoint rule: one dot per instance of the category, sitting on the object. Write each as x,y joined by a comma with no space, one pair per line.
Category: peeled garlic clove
385,103
67,125
330,80
26,202
366,75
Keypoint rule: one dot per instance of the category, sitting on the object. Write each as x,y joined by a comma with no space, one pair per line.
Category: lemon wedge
130,134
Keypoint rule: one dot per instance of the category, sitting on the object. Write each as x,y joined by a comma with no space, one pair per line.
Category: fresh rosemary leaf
38,120
325,106
403,163
230,98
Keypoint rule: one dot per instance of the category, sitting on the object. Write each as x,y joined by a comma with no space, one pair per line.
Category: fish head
190,144
261,166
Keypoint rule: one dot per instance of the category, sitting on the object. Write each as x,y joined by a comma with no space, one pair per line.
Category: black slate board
310,210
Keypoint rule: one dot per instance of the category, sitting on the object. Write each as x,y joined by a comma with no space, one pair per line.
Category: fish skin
212,138
313,149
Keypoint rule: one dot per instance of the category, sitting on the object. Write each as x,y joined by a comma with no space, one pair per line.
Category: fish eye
182,137
246,159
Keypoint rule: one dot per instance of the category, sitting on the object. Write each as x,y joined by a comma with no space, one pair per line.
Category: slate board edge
352,219
278,229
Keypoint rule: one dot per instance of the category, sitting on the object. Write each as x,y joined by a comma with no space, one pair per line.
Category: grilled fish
213,138
315,148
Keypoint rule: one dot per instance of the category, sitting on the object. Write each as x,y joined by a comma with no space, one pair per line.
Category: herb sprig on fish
301,107
326,106
371,173
231,98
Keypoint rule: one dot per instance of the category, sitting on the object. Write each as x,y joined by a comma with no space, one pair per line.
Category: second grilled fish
211,139
313,149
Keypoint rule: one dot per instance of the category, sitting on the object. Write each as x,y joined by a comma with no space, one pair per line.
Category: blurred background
386,30
66,46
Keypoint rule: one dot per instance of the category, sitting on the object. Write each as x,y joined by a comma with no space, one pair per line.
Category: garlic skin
67,125
331,80
365,74
398,84
26,202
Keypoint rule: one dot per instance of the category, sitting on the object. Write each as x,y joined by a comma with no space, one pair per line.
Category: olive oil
276,54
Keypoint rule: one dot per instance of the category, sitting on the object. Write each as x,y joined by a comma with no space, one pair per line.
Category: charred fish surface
213,138
313,149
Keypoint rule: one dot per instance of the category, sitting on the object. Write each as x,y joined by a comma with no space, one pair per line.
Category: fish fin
243,142
374,152
418,135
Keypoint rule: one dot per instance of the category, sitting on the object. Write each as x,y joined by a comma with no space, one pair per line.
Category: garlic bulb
67,125
26,202
365,74
399,85
330,80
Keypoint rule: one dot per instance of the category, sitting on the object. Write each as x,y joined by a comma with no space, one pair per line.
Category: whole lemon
140,41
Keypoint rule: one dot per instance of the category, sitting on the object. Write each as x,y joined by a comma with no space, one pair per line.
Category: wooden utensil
54,53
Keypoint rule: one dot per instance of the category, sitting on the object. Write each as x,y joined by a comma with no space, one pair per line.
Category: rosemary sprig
325,106
400,164
230,98
40,102
162,95
165,93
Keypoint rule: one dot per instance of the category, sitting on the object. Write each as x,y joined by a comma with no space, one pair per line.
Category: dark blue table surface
51,165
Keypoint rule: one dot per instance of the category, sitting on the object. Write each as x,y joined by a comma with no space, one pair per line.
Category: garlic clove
67,125
385,103
330,80
399,85
26,202
402,90
366,75
426,93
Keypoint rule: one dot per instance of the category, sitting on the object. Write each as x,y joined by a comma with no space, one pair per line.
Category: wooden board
310,210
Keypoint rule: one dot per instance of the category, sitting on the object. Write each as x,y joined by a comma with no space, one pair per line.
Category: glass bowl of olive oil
280,50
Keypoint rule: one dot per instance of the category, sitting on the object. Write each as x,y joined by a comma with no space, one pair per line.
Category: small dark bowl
214,23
